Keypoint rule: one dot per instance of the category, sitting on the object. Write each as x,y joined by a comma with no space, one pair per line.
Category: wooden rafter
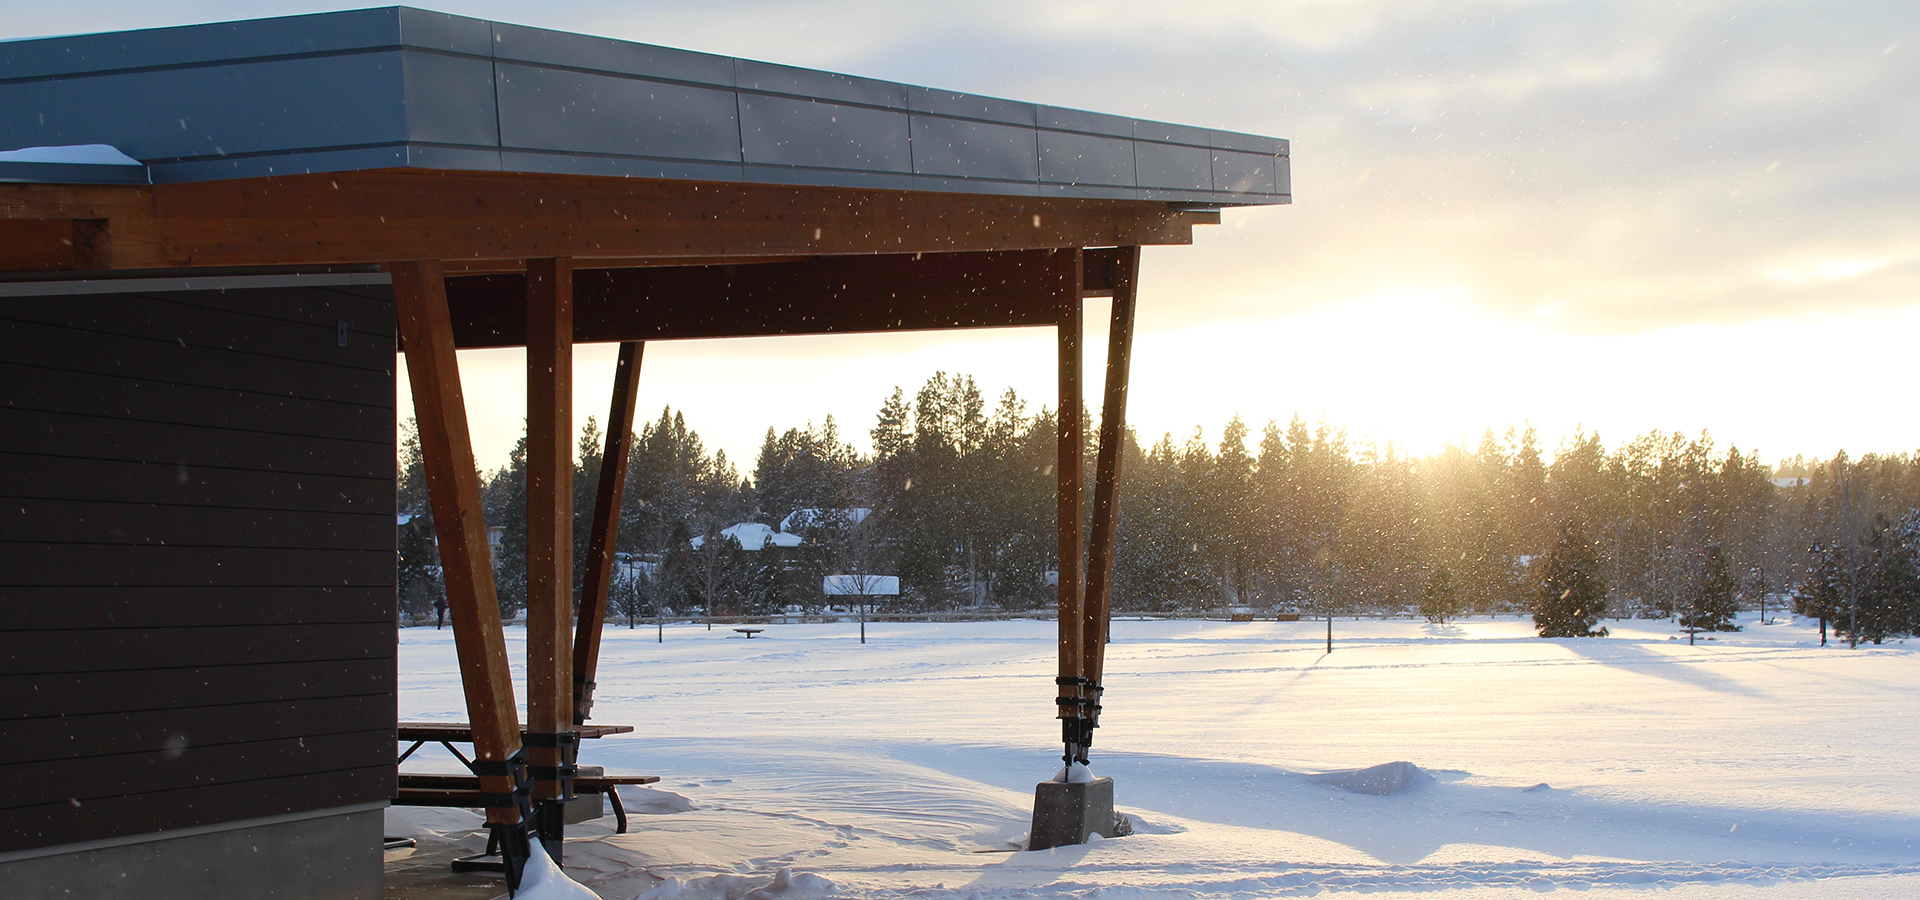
470,217
606,528
453,488
549,316
823,295
1106,473
1066,282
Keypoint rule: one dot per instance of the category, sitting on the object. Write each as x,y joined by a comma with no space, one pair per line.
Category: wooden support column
1065,285
1106,475
549,514
606,528
453,487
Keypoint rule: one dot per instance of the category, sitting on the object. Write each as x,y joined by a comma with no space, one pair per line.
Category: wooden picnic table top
463,731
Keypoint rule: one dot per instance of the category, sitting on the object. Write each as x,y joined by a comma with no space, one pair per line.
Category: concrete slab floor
425,872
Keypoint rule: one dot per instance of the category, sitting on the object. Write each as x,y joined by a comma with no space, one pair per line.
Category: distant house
861,585
754,536
802,519
1791,482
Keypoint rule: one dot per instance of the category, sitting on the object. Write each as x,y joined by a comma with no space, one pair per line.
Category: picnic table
749,632
463,791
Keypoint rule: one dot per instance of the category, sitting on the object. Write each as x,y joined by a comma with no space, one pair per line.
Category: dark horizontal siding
154,358
46,520
173,483
183,763
130,566
127,438
122,649
85,693
71,822
112,734
89,394
47,607
197,558
189,320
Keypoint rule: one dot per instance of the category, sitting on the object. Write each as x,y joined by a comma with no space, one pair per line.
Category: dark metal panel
884,181
562,163
782,131
1088,191
1198,198
431,30
297,163
1062,119
1175,166
1086,159
775,79
970,106
72,173
1242,173
215,111
581,51
953,147
552,109
450,100
1246,143
1283,176
1170,133
200,44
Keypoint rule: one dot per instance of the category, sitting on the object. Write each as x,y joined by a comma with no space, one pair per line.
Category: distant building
861,585
801,519
754,536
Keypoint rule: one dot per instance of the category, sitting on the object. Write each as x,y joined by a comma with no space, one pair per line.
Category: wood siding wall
196,558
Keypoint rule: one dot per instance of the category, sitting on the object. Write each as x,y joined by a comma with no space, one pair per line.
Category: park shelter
213,240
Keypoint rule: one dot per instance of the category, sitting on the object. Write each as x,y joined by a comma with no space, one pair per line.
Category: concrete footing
586,807
1065,813
328,855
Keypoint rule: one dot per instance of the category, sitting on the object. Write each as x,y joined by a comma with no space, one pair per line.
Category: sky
1623,217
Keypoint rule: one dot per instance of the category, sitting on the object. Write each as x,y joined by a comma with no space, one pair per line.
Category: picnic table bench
463,791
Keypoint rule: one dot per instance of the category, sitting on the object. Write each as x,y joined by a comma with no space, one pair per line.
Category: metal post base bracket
1065,813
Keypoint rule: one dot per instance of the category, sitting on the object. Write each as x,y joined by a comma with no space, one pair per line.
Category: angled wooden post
453,488
606,528
1106,478
1066,281
549,522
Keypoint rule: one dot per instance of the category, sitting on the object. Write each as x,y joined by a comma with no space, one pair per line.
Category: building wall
196,556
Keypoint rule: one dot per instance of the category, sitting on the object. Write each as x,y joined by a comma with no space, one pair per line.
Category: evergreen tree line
958,501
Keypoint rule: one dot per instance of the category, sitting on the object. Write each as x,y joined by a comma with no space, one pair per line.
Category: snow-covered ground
802,763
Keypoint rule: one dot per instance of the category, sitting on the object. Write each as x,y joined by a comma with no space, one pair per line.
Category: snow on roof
75,155
754,536
814,518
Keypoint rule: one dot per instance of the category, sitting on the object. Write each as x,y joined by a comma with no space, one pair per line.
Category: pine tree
1440,599
1572,593
1715,599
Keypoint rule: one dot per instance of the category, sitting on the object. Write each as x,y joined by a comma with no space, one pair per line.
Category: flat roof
406,88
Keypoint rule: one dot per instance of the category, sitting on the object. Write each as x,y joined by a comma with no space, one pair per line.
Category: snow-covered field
802,763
